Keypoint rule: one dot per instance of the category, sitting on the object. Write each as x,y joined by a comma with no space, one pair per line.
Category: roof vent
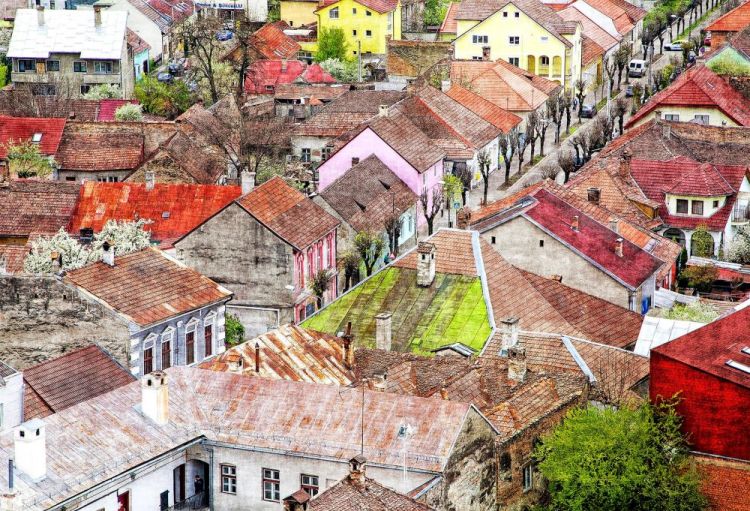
574,224
745,350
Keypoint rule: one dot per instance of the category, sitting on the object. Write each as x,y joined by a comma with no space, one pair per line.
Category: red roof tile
136,43
108,107
710,347
171,209
725,483
591,51
450,25
369,495
263,76
501,119
18,129
272,43
100,146
147,286
733,21
70,379
294,217
28,206
699,86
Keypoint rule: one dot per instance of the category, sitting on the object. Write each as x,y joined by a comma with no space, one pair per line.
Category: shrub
342,70
234,330
129,112
103,91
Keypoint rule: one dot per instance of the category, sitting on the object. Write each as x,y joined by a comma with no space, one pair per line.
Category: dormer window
36,138
682,206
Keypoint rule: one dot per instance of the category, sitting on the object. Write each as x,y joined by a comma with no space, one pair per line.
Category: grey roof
67,31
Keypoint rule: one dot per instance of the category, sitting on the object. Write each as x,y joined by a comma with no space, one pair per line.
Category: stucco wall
11,399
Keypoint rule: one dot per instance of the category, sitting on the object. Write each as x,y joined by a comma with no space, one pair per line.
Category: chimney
614,225
247,181
155,397
443,393
383,111
618,247
98,15
657,115
234,362
40,15
516,363
485,53
30,444
257,357
425,264
509,334
383,331
594,194
379,381
348,347
574,224
150,180
357,468
108,253
355,160
297,501
56,262
625,164
4,174
666,131
463,218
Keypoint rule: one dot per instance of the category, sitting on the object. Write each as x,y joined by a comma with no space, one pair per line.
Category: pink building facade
320,255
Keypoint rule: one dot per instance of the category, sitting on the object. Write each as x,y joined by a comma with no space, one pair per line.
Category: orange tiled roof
450,25
591,51
501,119
617,14
725,482
272,43
350,495
733,21
456,254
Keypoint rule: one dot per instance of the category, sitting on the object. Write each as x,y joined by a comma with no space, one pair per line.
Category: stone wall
41,318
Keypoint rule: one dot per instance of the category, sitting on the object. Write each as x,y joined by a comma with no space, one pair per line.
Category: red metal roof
173,209
710,347
263,76
592,239
733,21
108,107
17,129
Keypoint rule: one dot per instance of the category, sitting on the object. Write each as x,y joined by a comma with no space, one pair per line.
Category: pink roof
108,107
263,76
16,129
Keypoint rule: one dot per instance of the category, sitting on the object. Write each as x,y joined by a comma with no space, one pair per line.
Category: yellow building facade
362,24
514,36
298,12
704,115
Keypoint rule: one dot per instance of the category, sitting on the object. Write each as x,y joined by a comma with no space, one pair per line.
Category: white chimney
509,334
30,443
425,264
98,15
234,362
155,397
614,225
379,381
383,110
40,15
618,247
108,253
150,180
383,331
247,181
517,363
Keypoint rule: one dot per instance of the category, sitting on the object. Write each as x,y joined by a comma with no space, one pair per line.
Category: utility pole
359,60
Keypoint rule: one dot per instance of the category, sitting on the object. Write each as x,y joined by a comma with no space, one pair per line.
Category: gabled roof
711,347
147,286
287,212
28,206
263,74
591,51
73,378
699,87
368,495
68,31
702,180
733,21
591,30
21,129
271,42
369,193
501,119
618,15
291,353
171,210
137,44
381,6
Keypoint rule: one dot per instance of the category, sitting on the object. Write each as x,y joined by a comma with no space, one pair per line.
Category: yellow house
369,22
526,33
298,12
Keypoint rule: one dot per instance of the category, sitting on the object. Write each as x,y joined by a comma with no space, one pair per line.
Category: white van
636,68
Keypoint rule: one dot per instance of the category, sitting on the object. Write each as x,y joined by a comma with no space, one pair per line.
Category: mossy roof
451,310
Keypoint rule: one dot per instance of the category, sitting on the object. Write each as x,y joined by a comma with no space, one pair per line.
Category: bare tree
622,58
566,162
580,87
550,170
619,109
566,102
532,122
464,173
508,145
555,113
484,160
521,144
431,203
610,67
198,34
541,130
393,229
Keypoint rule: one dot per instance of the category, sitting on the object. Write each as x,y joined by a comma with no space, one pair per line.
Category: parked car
636,68
629,91
165,77
224,35
675,45
176,67
588,111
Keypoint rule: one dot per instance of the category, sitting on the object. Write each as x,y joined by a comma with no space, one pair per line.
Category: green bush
342,70
3,76
103,91
129,112
234,331
167,100
331,45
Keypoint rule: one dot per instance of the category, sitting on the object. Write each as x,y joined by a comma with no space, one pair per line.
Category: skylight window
736,365
36,138
745,350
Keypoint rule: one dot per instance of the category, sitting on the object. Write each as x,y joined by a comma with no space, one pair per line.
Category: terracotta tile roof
352,495
28,206
381,6
367,194
21,129
272,43
410,142
590,30
291,353
108,107
634,12
501,119
263,76
591,51
321,92
294,217
137,44
147,286
724,482
162,21
65,381
347,113
100,147
503,84
699,87
172,210
454,253
12,257
623,23
733,21
450,24
710,347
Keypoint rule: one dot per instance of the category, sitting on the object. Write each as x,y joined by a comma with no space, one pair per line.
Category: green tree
319,284
3,76
739,249
700,278
234,331
103,91
343,70
434,12
331,45
25,159
610,459
349,263
129,112
167,100
370,246
702,242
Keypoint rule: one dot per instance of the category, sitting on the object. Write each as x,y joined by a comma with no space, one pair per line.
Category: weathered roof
272,43
413,58
724,482
656,331
21,129
352,495
28,206
490,112
65,381
321,92
68,31
94,147
591,30
171,210
137,44
450,24
591,51
262,76
367,194
622,22
261,413
147,286
294,217
733,21
291,353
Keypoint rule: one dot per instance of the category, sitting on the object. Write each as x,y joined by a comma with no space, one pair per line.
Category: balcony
740,214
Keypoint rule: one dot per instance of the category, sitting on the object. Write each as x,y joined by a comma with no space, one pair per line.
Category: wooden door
123,501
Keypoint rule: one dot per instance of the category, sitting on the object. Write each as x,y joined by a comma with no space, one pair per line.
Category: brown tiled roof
294,217
618,15
367,194
724,482
591,30
70,379
591,51
352,495
199,162
407,140
12,257
501,119
100,147
271,42
137,44
450,25
321,92
289,352
28,206
147,286
454,253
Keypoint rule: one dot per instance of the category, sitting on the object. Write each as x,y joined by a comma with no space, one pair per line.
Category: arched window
190,341
148,353
209,328
675,235
167,340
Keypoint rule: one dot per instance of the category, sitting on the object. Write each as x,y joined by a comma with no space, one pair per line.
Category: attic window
36,138
736,365
165,214
505,15
745,350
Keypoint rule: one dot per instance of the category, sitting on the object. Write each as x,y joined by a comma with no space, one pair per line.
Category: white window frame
106,64
480,39
517,62
672,117
192,326
310,481
210,320
275,489
149,343
228,479
169,331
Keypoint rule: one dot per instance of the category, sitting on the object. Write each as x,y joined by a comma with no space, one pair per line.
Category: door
179,484
123,501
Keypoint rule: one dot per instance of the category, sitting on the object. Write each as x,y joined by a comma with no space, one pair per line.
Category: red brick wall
715,411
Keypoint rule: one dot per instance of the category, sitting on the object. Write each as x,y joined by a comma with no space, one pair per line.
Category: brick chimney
618,247
509,328
624,169
257,357
247,181
98,15
383,331
463,218
40,15
517,363
355,160
108,253
234,362
30,446
443,393
348,347
150,180
379,381
155,397
425,264
485,53
575,223
594,195
357,469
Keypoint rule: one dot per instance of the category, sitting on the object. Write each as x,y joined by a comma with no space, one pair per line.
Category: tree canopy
331,45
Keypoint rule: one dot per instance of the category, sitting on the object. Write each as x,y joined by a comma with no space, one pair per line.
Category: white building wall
141,25
11,402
